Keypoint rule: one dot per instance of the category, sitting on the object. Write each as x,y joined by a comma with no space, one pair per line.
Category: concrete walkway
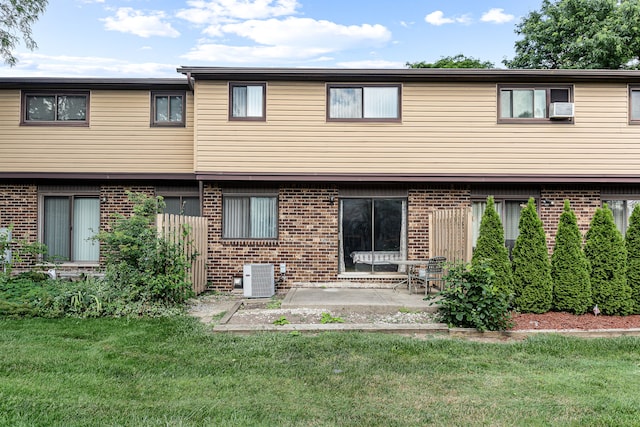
357,300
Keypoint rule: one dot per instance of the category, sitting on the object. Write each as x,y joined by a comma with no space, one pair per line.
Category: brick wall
584,201
308,233
307,237
19,208
425,200
307,228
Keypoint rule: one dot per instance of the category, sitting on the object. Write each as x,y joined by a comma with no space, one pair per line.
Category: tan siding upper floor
119,138
445,129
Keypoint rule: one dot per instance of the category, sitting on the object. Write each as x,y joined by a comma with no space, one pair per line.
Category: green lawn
156,372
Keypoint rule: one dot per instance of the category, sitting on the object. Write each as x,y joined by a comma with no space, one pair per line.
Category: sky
151,38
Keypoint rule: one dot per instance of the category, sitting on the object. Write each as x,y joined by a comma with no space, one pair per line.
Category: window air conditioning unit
561,110
258,281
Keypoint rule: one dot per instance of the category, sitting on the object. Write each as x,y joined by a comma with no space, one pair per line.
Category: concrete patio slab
371,300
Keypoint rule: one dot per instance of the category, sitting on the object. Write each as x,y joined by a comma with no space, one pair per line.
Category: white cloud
497,16
307,32
211,52
128,20
33,65
437,18
375,63
406,24
288,39
220,11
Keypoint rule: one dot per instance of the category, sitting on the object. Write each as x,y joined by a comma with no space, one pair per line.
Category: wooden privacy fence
170,227
450,234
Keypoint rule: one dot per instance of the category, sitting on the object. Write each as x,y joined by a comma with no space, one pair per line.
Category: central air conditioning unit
258,281
561,110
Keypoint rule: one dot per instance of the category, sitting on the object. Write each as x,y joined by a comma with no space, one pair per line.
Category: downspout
190,81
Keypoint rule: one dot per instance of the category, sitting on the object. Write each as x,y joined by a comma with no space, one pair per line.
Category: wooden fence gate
450,234
170,227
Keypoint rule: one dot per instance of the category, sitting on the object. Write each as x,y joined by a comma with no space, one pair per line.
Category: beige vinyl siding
445,128
118,140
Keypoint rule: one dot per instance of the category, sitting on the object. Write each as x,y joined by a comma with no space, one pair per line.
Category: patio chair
434,272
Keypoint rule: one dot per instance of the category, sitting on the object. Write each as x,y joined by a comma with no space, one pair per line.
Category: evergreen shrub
569,267
490,249
607,257
531,267
632,244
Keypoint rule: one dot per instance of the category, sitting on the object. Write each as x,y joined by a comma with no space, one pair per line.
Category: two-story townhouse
315,168
71,148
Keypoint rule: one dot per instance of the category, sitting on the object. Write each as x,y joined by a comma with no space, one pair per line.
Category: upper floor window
363,102
247,101
167,109
531,103
55,108
634,107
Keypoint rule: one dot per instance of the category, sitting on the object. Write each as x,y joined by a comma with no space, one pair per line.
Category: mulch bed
561,320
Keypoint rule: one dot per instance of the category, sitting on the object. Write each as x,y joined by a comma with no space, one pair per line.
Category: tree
569,267
457,61
531,268
632,244
579,34
607,256
16,19
490,249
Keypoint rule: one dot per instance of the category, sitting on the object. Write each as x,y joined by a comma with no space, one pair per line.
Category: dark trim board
418,178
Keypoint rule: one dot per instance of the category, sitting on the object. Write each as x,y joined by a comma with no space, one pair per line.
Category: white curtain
236,217
65,243
56,228
86,222
477,210
511,219
247,101
250,217
380,102
263,217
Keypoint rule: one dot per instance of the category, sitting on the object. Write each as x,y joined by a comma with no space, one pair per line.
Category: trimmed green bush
470,299
607,256
632,244
569,267
490,249
142,266
531,268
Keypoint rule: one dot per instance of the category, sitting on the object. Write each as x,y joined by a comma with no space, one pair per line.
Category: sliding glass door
372,232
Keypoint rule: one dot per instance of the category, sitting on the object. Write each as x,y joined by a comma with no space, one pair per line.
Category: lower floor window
509,212
622,210
250,217
372,234
69,224
182,205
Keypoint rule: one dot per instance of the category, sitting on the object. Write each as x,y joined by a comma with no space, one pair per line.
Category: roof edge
407,74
